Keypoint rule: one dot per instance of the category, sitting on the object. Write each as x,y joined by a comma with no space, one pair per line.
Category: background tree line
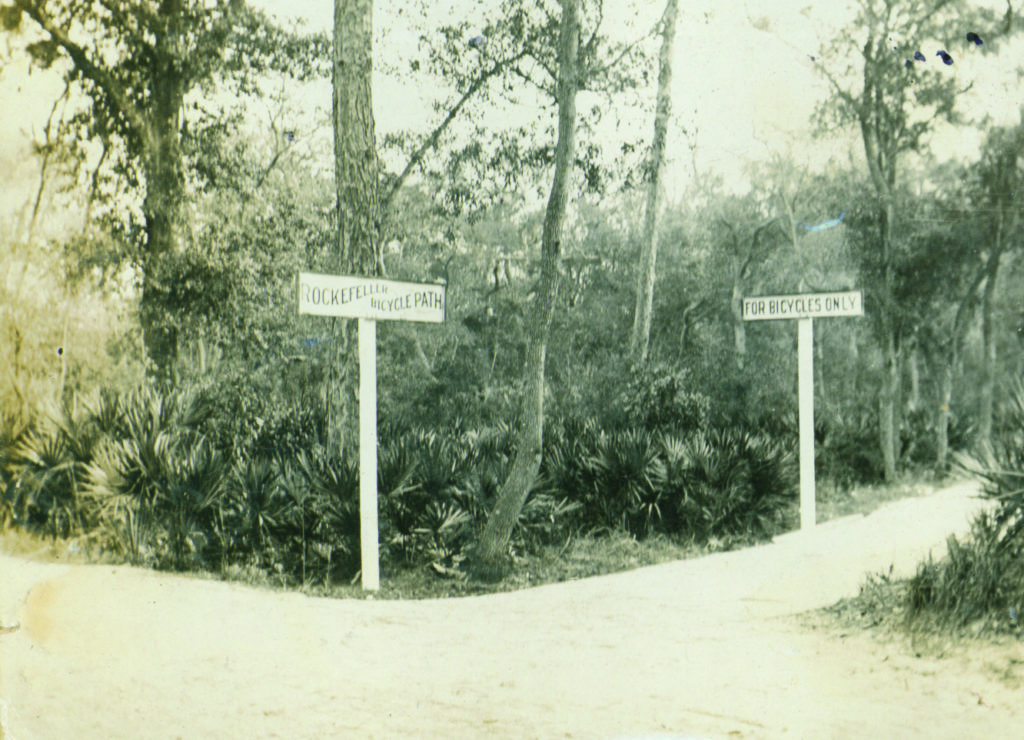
594,373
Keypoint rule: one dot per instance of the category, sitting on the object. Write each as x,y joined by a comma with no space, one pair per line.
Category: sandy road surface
699,648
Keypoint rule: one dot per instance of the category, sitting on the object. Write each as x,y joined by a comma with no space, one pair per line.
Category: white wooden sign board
805,307
369,300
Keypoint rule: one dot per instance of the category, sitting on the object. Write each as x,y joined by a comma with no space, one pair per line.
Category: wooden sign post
369,300
805,308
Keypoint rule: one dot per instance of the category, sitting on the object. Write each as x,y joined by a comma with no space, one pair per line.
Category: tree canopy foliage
203,212
138,65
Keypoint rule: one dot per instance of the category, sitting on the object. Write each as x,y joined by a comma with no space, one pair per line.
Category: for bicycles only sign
370,298
803,306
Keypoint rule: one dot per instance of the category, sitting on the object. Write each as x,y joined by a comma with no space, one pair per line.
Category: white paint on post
369,300
368,454
805,382
805,307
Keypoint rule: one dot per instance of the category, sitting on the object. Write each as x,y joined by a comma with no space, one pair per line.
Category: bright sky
744,81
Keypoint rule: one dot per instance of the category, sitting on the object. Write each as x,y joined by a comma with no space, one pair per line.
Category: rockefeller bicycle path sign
369,300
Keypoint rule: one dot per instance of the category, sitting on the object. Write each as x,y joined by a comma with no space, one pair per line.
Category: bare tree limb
100,76
431,141
48,147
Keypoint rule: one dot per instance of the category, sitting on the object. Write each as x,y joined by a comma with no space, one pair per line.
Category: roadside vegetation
977,589
162,403
580,556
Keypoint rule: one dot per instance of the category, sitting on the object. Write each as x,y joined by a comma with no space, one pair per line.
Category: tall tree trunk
686,320
888,397
824,399
949,369
914,401
355,144
942,422
640,337
988,355
881,160
887,402
739,327
489,558
165,185
356,189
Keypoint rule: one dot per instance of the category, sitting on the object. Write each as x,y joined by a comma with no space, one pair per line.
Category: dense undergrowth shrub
660,397
706,484
981,581
153,475
847,451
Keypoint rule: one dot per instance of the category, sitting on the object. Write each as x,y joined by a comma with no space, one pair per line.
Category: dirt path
699,648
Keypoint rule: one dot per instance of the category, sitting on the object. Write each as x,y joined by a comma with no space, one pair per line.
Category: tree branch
431,141
592,73
47,151
100,76
121,16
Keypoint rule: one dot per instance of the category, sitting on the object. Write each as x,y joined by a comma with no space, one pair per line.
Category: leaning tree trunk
489,557
988,355
356,189
942,422
640,337
949,369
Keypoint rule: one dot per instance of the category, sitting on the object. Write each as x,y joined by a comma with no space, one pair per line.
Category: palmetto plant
982,579
156,464
329,514
568,446
628,478
187,504
1000,467
439,531
728,482
45,488
12,430
426,477
257,503
46,465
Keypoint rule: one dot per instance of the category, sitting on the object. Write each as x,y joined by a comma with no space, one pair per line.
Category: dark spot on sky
919,56
974,38
60,351
946,58
477,42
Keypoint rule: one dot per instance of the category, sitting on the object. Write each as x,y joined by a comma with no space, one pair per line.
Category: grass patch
32,546
834,503
977,590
